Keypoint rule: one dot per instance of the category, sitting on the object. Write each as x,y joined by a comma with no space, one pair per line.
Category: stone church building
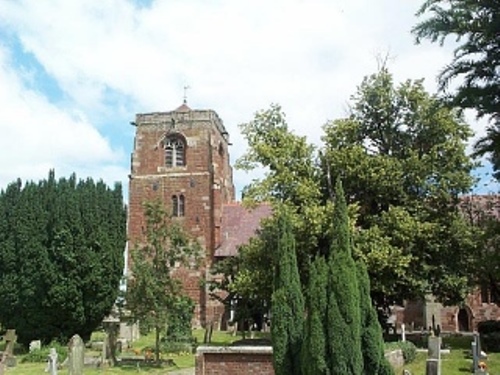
182,157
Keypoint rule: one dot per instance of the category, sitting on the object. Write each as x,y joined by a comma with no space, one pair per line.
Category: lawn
182,360
458,362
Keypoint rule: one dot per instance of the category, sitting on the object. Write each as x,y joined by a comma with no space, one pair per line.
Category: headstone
433,366
52,362
403,332
76,355
8,358
477,367
35,345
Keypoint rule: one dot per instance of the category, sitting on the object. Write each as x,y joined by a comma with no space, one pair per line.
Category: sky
73,74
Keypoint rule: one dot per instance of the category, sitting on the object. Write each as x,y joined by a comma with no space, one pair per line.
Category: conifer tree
287,305
314,346
343,317
61,258
372,343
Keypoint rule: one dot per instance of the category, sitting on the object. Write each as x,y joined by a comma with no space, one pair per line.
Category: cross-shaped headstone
10,339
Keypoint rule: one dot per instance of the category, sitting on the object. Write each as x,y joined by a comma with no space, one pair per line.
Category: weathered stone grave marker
433,365
8,358
52,362
76,355
476,355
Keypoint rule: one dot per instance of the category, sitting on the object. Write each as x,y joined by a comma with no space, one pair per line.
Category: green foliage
475,24
401,156
179,318
344,351
61,262
153,293
287,307
372,342
409,350
314,361
489,332
41,355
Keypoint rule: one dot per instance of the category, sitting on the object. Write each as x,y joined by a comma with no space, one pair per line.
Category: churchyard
455,357
136,354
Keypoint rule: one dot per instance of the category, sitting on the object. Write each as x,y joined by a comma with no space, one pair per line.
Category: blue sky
73,74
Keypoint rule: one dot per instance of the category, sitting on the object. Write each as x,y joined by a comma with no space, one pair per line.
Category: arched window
178,205
175,152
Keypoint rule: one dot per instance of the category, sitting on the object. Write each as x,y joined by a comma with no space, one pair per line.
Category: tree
342,333
153,291
314,348
343,337
61,258
401,156
476,26
287,305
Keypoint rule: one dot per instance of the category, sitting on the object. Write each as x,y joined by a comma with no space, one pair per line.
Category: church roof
238,225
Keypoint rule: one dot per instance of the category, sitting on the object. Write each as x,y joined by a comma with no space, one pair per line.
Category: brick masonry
205,180
256,360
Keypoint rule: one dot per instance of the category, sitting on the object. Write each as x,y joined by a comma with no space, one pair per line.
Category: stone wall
216,360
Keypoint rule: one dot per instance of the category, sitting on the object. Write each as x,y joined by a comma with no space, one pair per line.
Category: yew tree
61,260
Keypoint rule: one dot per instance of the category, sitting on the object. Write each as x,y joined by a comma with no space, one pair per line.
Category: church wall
205,181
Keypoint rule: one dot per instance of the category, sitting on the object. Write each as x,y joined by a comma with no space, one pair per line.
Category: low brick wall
234,360
229,360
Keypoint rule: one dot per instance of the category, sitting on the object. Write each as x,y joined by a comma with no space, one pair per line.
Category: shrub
408,349
489,332
41,355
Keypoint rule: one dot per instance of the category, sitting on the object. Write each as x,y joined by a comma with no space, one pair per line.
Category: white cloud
37,136
238,57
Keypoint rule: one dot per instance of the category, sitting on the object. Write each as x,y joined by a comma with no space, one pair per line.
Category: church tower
182,158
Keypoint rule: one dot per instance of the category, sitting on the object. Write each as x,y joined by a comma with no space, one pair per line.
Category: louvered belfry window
175,152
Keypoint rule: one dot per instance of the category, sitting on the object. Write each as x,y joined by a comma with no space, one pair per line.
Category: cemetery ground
183,360
457,362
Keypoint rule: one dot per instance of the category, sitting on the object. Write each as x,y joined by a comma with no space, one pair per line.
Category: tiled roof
238,225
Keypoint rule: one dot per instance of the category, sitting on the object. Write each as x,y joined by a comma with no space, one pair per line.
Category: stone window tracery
175,152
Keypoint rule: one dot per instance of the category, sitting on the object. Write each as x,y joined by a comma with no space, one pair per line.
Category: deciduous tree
153,291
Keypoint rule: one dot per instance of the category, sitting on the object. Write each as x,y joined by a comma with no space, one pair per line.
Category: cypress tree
314,347
343,317
287,305
372,342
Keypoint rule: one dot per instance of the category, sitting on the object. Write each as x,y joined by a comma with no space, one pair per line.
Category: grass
458,362
181,360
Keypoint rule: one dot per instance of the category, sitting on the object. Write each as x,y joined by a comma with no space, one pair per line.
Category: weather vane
186,87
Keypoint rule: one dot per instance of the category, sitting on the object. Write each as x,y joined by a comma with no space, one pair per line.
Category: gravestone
476,355
52,362
403,333
35,345
433,365
76,355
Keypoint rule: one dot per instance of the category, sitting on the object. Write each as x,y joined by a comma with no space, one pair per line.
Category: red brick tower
182,157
